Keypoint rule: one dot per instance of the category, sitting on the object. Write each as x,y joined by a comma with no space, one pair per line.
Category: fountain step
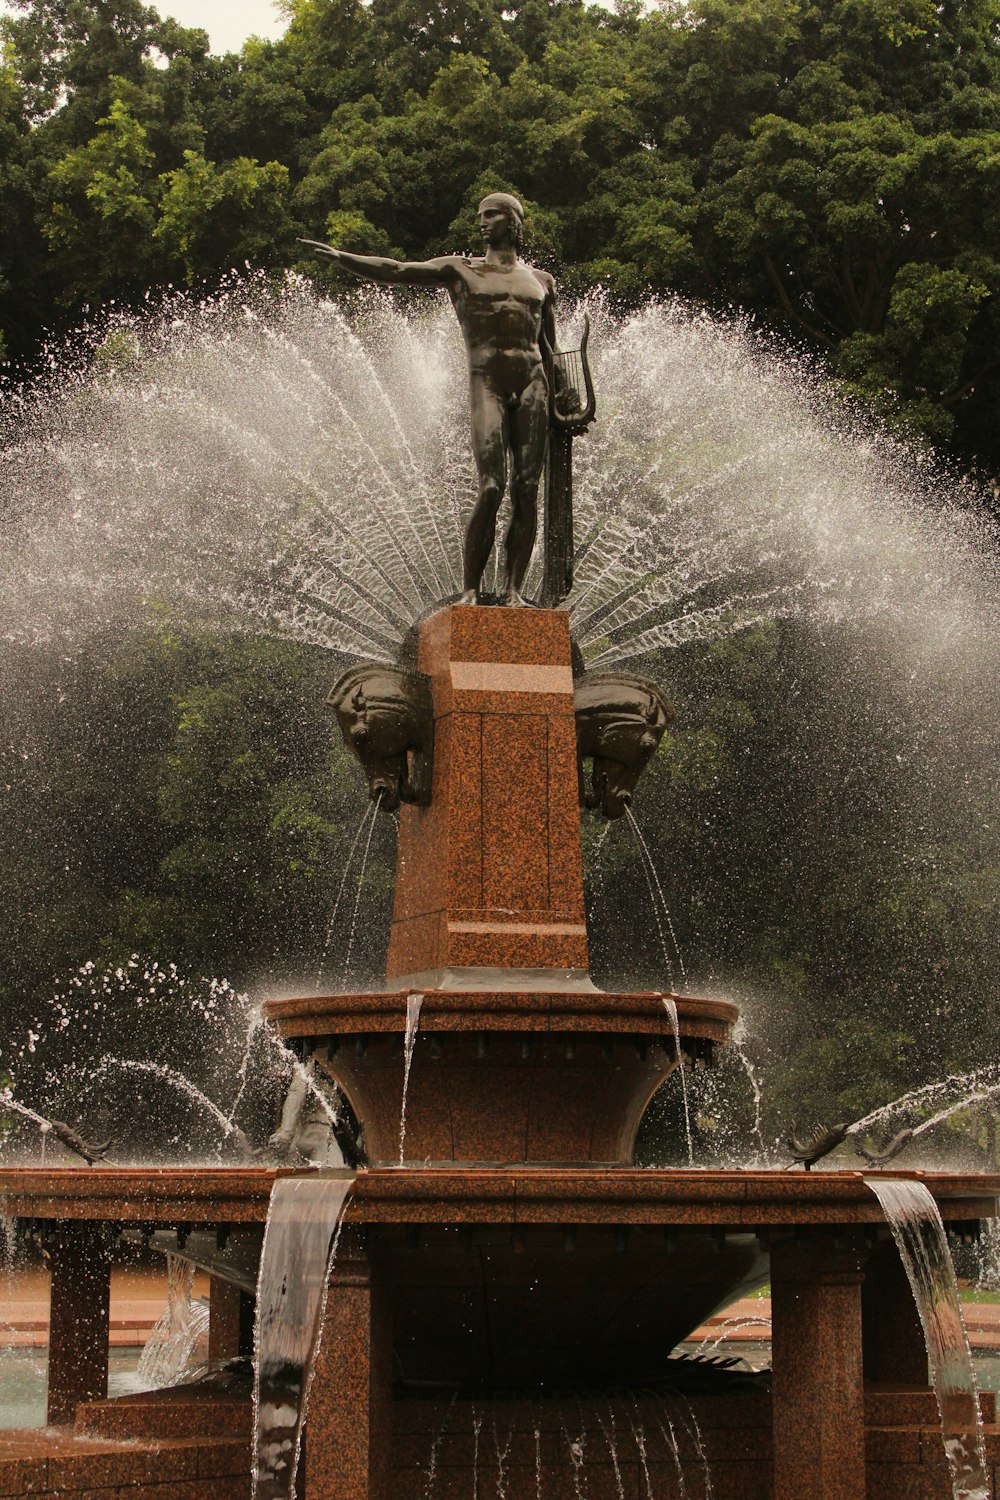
903,1455
178,1412
54,1463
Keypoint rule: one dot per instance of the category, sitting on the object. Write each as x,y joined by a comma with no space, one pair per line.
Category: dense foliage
830,165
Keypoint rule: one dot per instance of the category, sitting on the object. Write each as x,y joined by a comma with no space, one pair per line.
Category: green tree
103,210
211,215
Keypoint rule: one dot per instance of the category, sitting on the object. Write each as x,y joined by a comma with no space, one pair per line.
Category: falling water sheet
916,1226
300,1246
670,1006
170,1347
413,1004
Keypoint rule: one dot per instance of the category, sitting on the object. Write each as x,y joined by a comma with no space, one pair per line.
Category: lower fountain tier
508,1277
500,1076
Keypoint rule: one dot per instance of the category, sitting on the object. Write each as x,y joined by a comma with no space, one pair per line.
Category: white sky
228,22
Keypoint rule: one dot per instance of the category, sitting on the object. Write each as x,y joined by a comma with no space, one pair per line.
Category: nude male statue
505,309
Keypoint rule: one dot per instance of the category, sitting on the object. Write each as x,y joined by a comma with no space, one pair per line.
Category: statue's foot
514,598
469,597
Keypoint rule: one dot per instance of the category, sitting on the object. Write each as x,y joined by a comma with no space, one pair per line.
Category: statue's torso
500,312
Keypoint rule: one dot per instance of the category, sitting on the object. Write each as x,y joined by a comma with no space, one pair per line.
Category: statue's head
386,719
514,210
620,721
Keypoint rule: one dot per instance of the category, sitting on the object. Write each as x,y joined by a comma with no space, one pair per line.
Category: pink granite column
348,1445
817,1381
80,1301
225,1319
893,1340
490,875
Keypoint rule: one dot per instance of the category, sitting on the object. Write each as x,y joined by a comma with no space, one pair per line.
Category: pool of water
22,1375
22,1383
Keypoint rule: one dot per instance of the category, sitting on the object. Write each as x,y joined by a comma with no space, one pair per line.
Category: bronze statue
506,312
572,407
824,1139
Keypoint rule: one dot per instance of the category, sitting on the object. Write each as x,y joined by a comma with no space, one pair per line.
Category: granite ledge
449,1194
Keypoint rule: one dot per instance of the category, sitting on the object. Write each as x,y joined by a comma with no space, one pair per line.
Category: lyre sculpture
572,408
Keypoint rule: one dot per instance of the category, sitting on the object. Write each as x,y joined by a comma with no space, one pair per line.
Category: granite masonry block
747,1481
132,1418
153,1464
233,1488
499,635
564,851
897,1445
906,1482
23,1476
102,1494
913,1406
459,857
515,813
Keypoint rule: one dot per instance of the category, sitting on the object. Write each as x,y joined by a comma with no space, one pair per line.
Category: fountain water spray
920,1238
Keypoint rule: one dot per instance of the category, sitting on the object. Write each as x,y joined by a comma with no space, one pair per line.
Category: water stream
439,1437
370,810
577,1449
537,1434
670,1005
729,1326
657,899
607,1426
920,1237
300,1246
739,1051
349,950
693,1429
183,1085
413,1004
477,1427
639,1434
503,1458
183,1324
7,1101
984,1080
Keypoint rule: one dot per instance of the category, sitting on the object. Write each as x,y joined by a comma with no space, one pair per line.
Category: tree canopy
829,166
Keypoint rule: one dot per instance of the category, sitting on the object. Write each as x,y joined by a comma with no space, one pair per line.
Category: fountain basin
498,1275
505,1075
532,1279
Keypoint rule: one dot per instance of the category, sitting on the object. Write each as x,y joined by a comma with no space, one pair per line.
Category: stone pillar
893,1340
348,1445
817,1378
490,876
79,1316
225,1320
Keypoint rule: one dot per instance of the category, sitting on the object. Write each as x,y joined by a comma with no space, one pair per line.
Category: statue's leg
529,431
488,421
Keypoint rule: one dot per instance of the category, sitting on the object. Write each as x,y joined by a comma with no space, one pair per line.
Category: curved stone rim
484,1194
503,1010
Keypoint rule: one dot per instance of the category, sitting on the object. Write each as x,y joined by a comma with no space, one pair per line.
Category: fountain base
529,1261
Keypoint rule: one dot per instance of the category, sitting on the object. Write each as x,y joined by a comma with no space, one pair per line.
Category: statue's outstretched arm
380,268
